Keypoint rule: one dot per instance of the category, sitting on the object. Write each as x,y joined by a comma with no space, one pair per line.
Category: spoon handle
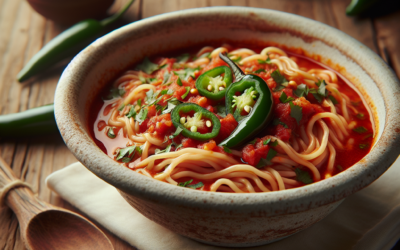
20,199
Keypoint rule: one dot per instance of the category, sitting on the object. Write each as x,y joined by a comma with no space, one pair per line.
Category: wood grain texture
24,32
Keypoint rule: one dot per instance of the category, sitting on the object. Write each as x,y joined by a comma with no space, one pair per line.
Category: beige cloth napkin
369,219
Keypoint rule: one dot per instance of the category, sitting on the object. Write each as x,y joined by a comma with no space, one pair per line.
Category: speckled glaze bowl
228,219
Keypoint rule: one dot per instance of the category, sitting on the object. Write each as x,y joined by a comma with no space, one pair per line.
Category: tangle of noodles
133,123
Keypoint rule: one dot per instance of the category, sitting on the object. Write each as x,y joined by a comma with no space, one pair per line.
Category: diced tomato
228,125
162,125
189,143
208,145
253,153
277,95
143,126
151,111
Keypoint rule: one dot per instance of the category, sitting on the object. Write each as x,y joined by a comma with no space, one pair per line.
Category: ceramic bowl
228,219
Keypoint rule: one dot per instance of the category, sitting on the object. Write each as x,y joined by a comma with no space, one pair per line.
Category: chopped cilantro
126,159
147,66
226,149
179,146
302,90
150,97
186,73
164,92
166,150
120,108
360,130
131,113
355,103
364,145
110,133
284,98
167,76
280,80
184,184
169,109
274,143
303,176
159,107
183,58
296,112
322,91
179,82
177,132
317,96
258,71
271,154
253,141
360,116
262,163
126,152
339,167
142,115
367,136
139,102
196,186
267,161
114,93
187,92
266,141
333,99
268,59
277,122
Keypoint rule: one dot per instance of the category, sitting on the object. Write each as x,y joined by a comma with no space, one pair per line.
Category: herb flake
186,94
360,130
296,112
147,66
303,176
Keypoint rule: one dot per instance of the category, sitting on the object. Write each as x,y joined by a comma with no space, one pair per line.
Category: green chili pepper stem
34,121
66,44
113,18
236,69
188,107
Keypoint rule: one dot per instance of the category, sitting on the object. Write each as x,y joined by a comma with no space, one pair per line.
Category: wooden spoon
44,226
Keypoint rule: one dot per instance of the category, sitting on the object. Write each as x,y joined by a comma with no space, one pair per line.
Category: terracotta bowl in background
228,219
68,12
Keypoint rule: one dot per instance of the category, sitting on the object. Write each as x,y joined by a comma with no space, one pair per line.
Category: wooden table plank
24,32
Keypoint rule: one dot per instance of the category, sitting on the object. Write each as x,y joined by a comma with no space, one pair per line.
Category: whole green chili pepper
211,84
34,121
200,118
357,7
67,44
255,101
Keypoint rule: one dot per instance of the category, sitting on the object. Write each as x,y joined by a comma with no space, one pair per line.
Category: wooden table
24,32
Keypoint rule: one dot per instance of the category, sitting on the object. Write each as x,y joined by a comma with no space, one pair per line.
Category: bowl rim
382,155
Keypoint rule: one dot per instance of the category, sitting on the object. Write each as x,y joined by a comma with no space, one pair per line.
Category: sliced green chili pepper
211,84
202,117
255,100
357,7
67,44
34,121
